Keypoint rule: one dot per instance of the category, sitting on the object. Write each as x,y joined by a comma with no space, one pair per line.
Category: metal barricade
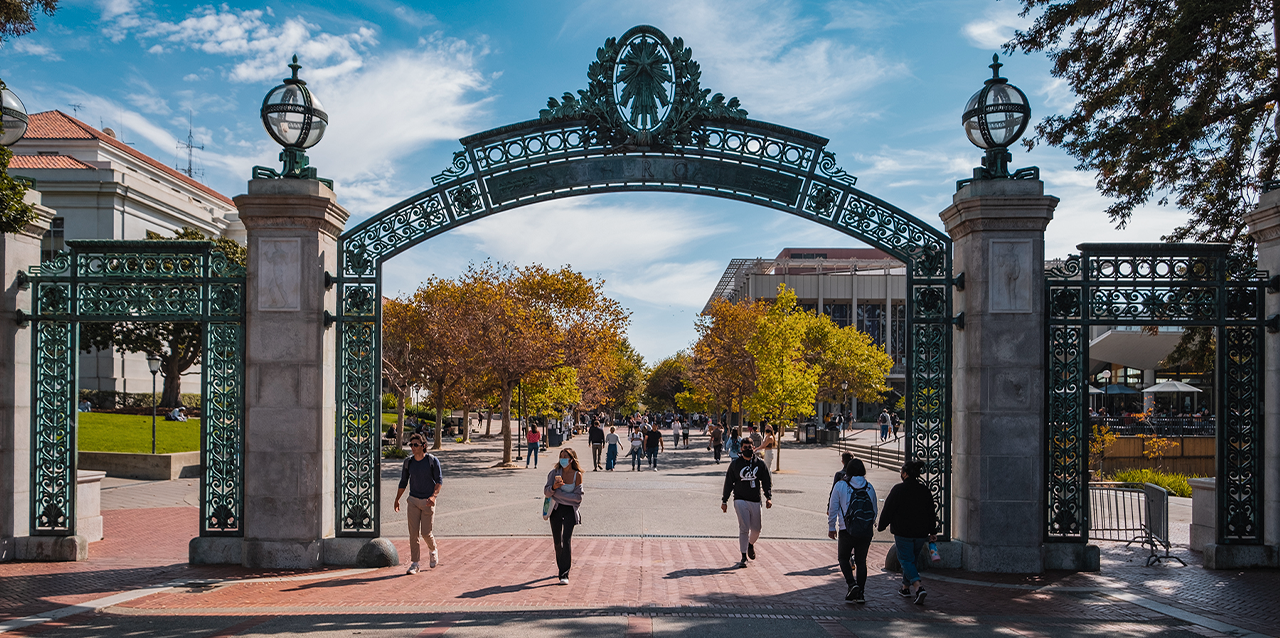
1132,513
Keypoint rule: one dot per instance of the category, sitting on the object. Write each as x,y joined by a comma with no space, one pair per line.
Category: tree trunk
506,423
400,418
488,426
439,397
171,394
466,424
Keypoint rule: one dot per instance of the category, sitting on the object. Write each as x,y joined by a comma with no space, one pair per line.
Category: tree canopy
1175,102
17,17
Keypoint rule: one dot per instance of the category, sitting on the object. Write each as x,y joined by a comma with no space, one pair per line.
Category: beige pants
421,517
768,459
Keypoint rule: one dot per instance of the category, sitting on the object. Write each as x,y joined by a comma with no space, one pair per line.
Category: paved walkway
654,558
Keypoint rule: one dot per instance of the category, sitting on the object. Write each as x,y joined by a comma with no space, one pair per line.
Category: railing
1159,426
886,455
1132,513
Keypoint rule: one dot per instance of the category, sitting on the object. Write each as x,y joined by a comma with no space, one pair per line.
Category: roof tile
46,161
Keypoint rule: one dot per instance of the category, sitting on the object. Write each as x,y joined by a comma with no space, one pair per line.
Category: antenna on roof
191,147
75,108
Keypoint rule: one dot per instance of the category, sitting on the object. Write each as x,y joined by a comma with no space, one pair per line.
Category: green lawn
102,432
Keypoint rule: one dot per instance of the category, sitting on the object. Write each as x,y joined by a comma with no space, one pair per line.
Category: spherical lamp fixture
14,117
295,119
995,117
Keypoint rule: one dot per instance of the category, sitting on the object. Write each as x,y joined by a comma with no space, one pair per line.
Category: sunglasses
415,445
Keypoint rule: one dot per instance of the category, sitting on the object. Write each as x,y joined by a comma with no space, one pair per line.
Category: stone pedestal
18,251
89,504
998,447
293,227
1204,513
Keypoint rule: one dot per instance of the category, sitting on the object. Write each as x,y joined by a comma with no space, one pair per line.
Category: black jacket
595,434
745,479
908,511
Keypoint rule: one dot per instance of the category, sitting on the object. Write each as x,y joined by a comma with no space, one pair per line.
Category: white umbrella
1170,386
1093,390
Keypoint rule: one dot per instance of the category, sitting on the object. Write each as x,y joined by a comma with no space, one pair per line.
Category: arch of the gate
114,280
1143,285
607,140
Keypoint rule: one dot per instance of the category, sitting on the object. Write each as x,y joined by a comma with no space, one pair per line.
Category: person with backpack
909,513
421,474
746,478
851,519
883,422
716,445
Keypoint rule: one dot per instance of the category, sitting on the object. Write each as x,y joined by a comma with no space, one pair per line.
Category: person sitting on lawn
178,414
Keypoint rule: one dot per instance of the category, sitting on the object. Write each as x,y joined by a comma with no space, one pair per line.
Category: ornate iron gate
617,137
1183,285
109,280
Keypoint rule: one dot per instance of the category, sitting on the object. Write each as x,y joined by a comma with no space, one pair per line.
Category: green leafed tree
178,344
17,17
1175,103
665,381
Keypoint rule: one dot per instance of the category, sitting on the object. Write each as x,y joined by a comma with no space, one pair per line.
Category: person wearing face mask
746,478
564,488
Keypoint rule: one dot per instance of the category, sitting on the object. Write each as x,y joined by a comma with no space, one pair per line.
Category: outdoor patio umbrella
1174,387
1093,390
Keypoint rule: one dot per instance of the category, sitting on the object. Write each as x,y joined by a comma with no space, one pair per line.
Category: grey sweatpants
748,523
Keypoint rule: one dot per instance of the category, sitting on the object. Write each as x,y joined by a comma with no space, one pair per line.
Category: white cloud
27,47
686,285
1057,95
995,28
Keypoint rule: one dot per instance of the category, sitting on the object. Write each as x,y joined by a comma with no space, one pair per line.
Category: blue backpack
860,518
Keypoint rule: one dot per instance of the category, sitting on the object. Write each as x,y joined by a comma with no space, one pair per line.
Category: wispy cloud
995,27
27,47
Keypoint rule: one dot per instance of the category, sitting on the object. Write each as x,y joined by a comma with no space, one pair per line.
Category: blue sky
885,81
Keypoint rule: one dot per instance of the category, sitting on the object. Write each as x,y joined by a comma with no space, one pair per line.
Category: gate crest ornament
644,91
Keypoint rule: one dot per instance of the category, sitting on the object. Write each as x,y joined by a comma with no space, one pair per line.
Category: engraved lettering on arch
681,171
646,170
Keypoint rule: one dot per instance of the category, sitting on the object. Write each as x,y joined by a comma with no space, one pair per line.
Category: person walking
717,443
637,449
613,443
851,519
684,434
756,438
595,436
910,515
883,422
422,475
894,423
746,477
768,446
564,488
676,426
652,443
534,439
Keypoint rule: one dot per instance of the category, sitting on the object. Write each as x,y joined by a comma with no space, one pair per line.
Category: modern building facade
103,188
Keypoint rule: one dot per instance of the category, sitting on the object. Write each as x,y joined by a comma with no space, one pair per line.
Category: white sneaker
564,581
413,568
435,558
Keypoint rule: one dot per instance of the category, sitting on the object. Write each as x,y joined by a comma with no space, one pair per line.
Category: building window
871,321
808,255
53,241
807,307
839,313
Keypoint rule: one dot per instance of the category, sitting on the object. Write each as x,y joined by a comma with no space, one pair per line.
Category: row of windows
808,255
870,319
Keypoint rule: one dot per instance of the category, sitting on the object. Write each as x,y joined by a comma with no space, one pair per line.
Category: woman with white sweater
851,518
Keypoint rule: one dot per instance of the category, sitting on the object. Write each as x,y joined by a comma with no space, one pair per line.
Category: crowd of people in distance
854,513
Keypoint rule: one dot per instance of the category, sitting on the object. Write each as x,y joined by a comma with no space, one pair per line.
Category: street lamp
13,117
520,436
295,119
995,117
153,362
844,398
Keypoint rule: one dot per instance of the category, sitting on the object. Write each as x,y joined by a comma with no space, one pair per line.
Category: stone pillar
18,251
292,230
998,441
1264,227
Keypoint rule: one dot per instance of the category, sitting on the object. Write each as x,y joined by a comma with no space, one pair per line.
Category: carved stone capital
999,205
1264,219
291,204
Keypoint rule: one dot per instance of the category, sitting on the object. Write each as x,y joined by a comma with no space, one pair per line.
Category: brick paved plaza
653,557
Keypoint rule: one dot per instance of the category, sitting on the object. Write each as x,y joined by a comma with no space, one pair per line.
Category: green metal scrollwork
106,280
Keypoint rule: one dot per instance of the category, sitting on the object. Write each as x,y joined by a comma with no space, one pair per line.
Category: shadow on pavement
703,571
507,589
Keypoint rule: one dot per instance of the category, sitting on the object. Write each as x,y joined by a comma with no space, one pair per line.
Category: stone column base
1003,559
1240,556
216,550
1072,557
360,552
50,548
300,554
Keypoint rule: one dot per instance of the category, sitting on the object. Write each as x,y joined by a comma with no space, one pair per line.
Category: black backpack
860,518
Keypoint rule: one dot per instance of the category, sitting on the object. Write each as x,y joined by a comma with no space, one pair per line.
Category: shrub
1175,483
394,452
111,400
389,402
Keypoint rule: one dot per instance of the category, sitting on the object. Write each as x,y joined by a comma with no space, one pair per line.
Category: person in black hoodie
595,436
746,477
909,513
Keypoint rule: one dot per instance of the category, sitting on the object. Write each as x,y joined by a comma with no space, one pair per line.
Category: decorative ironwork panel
643,124
359,432
1143,285
53,444
222,447
1068,445
111,280
1239,490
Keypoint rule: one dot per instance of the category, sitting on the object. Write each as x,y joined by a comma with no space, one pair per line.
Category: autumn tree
786,380
846,356
549,393
625,391
665,381
178,344
17,17
722,369
446,341
1175,101
401,354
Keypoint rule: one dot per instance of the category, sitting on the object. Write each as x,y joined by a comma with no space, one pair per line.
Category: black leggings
854,547
562,522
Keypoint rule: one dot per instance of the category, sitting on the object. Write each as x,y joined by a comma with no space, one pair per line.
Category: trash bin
555,438
811,433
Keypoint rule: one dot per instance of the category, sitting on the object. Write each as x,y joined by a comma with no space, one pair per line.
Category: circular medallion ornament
644,78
